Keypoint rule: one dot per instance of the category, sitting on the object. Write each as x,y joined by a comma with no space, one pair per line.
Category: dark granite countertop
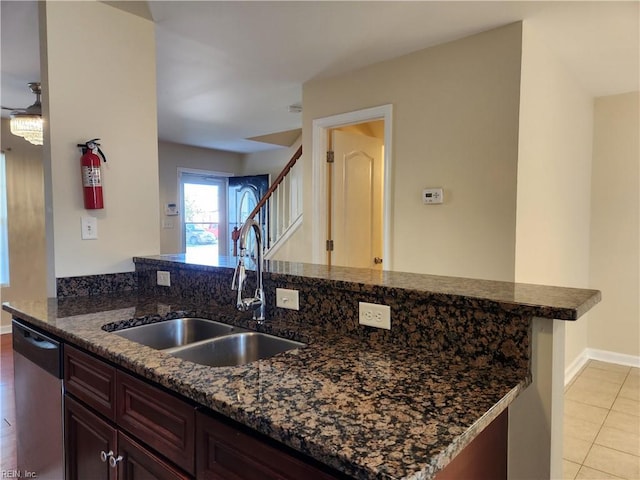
371,410
562,303
373,406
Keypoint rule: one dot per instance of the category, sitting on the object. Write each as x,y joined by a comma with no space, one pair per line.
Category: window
4,243
203,215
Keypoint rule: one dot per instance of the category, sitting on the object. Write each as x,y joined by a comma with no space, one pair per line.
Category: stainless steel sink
235,349
175,333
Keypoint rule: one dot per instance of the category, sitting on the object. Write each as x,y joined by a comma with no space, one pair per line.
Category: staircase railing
284,212
287,168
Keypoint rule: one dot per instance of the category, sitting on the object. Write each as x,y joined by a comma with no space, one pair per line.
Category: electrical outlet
163,278
286,298
374,315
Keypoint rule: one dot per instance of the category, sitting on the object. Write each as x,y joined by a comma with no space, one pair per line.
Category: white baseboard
604,356
574,368
613,357
5,329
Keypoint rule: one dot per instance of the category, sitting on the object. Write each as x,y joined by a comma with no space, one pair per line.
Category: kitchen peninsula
356,401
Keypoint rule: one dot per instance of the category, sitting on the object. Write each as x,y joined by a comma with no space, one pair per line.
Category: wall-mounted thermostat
432,195
171,209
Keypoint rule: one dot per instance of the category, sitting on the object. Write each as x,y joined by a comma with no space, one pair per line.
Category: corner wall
455,122
98,74
552,243
614,327
554,179
269,161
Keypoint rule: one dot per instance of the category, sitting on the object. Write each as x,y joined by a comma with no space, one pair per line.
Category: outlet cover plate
163,278
286,298
374,315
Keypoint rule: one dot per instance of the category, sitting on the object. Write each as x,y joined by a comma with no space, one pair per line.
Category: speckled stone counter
369,404
525,299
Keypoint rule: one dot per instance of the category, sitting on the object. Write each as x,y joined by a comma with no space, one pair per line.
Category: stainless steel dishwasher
37,361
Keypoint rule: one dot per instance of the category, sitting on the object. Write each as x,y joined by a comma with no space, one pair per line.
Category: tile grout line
602,424
609,410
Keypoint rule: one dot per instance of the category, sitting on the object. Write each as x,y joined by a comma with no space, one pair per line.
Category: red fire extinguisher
91,178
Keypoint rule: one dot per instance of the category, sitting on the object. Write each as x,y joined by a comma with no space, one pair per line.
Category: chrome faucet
257,301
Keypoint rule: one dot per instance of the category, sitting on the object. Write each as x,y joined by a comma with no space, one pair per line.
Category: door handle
377,260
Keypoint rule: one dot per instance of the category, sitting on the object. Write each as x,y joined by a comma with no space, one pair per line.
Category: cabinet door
226,453
86,437
138,463
163,422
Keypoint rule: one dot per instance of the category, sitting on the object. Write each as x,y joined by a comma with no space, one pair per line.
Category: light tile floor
602,423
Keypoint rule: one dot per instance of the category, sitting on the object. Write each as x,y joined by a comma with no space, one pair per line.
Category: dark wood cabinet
225,453
118,427
160,420
90,380
138,463
97,450
89,440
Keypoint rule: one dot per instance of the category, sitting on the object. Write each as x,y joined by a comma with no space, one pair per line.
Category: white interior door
357,196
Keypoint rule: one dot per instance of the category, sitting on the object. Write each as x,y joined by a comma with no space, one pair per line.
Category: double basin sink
208,342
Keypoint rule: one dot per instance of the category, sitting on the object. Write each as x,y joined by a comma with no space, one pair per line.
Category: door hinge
329,245
329,156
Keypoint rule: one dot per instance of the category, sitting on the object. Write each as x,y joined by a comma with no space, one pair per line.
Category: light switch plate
286,298
89,228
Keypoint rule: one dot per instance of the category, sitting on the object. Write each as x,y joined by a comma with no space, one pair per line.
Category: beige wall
554,179
25,211
373,129
269,161
552,243
111,96
614,325
455,125
173,156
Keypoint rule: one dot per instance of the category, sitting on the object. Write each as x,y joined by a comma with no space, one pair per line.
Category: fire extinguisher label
91,176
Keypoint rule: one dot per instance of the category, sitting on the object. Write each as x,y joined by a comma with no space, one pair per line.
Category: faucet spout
256,303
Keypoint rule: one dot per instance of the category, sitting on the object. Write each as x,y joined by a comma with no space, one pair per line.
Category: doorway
331,191
212,204
355,195
244,194
203,199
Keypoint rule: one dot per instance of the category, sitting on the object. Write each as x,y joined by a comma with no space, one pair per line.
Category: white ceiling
227,71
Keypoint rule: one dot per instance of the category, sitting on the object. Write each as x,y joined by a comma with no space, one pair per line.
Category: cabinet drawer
139,464
156,418
226,453
90,380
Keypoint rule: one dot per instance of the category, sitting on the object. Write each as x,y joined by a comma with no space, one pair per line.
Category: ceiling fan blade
9,108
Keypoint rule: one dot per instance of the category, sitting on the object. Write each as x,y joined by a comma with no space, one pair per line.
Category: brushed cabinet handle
113,461
105,456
